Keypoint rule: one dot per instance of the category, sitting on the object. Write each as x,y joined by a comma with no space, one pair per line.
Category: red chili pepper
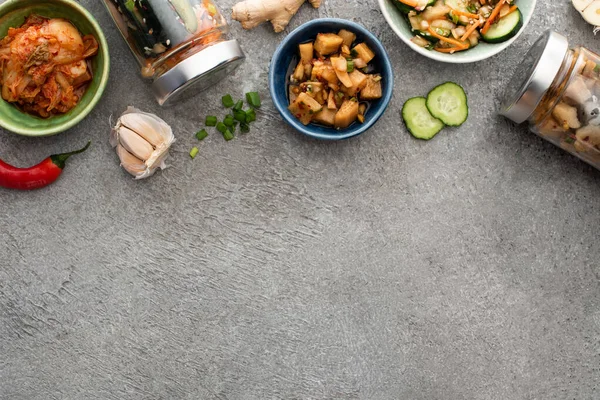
37,176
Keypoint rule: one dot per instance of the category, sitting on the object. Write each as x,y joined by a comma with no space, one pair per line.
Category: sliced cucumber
448,103
419,122
404,8
460,5
428,36
506,27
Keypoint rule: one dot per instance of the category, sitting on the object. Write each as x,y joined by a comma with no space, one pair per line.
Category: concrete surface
278,267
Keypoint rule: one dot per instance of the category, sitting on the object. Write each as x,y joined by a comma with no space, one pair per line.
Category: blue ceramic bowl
288,50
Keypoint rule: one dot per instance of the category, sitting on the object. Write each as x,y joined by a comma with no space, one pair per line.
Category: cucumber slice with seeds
459,5
506,28
448,103
419,122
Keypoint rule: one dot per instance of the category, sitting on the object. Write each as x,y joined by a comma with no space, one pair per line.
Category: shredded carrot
512,9
470,31
492,17
466,14
448,40
412,3
449,49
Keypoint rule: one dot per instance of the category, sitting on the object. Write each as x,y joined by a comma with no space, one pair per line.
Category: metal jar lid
198,71
534,76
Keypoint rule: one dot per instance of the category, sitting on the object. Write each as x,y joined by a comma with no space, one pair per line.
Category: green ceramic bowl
401,27
13,14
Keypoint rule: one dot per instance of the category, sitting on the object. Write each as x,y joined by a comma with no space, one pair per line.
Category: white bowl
400,25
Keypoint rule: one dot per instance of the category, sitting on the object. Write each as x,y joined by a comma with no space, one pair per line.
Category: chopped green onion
253,99
244,127
239,115
228,101
350,65
194,152
130,5
227,135
229,121
201,135
211,120
471,8
221,127
250,116
339,95
239,105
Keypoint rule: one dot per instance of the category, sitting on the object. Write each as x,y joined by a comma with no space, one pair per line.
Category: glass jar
179,44
557,90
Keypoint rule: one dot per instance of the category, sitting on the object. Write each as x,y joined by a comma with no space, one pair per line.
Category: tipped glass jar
179,44
557,90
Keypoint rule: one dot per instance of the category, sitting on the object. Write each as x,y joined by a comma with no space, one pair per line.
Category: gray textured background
278,267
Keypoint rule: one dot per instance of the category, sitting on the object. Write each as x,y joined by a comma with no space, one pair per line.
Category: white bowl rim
447,58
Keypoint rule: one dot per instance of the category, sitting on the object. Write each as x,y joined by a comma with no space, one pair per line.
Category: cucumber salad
448,26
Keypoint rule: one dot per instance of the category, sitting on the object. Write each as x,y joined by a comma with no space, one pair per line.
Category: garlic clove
145,126
581,5
135,144
129,162
142,142
592,13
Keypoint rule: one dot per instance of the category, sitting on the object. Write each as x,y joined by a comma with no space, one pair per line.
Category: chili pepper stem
60,159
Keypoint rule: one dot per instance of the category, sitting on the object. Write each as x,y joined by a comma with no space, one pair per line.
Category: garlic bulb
142,141
590,11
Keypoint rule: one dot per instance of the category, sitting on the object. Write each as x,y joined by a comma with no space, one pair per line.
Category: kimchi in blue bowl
287,53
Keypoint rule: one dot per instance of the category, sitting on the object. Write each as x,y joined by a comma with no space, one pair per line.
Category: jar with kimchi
180,44
557,90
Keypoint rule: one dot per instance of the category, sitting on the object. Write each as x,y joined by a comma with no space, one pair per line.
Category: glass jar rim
197,70
534,76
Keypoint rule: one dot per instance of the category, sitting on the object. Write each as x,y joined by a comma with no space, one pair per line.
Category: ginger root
252,13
